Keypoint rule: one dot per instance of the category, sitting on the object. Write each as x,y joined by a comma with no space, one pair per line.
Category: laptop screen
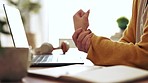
16,26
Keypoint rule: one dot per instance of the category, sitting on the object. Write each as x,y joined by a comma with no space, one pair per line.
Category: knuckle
83,43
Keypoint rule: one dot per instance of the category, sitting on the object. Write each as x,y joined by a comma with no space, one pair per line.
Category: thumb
85,20
87,13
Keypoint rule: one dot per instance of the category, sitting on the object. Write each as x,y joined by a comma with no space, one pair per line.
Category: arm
103,51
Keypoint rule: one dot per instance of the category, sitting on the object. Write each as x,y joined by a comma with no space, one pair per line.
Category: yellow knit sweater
127,51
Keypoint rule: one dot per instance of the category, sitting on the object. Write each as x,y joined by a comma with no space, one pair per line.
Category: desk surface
35,79
42,79
30,78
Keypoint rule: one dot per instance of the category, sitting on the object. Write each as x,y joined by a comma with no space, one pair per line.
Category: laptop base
52,64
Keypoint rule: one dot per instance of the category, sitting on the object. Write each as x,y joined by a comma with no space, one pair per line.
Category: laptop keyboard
42,58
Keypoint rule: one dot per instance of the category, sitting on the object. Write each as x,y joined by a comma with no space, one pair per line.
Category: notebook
93,74
20,40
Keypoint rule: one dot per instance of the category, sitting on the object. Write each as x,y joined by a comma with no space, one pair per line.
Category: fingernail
88,11
89,30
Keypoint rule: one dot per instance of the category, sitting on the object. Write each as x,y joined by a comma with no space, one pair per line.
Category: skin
82,40
82,34
80,19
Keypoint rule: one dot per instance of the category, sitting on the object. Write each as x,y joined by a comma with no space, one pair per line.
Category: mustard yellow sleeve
129,34
106,52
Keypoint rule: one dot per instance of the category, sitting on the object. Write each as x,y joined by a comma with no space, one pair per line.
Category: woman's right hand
80,19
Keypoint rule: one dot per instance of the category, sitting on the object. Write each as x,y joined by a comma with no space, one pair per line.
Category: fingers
83,41
80,13
85,20
77,19
87,13
80,39
80,19
87,43
76,34
82,36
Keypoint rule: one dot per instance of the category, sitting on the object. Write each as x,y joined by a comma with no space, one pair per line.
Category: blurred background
52,20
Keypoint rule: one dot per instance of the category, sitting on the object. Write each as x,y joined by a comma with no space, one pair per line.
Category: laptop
19,38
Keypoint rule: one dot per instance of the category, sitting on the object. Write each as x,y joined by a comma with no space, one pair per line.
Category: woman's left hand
82,39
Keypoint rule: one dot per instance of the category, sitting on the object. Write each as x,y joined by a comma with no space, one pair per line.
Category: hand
80,19
82,39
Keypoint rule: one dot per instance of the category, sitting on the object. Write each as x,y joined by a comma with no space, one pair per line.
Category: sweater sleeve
129,34
106,52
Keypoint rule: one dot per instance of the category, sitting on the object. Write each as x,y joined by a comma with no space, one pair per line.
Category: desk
37,79
42,79
73,52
